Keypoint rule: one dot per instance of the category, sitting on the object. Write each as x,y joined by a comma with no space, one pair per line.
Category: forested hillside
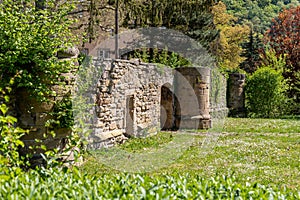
258,13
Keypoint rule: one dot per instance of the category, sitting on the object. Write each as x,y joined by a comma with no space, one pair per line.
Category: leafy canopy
227,47
284,37
258,13
30,40
192,17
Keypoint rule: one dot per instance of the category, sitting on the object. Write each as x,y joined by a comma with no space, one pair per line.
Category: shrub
31,40
10,140
266,94
65,184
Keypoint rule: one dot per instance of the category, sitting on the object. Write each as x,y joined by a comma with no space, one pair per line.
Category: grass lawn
252,150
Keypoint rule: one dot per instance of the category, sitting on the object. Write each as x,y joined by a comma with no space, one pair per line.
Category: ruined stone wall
131,98
32,114
217,96
192,87
138,99
236,95
128,100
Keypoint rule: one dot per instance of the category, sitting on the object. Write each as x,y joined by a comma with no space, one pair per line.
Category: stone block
42,118
109,134
113,126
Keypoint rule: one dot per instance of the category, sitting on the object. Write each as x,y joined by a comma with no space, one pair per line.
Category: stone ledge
110,134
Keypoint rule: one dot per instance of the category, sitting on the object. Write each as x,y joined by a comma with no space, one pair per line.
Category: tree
258,13
31,38
252,51
227,47
192,17
284,37
159,56
95,18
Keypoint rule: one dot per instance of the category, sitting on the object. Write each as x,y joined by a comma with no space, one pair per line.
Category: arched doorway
166,108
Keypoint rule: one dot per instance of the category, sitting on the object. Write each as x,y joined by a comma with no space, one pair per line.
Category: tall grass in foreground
65,184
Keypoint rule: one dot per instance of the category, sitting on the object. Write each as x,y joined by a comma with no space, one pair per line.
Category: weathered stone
236,96
113,126
130,96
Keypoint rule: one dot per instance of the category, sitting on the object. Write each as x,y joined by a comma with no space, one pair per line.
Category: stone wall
132,99
217,96
32,114
192,87
236,95
135,99
128,99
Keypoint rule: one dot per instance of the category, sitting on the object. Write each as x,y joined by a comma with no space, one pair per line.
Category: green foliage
10,140
269,58
227,47
266,94
11,161
158,56
252,52
30,41
283,36
62,114
258,13
65,184
192,17
32,51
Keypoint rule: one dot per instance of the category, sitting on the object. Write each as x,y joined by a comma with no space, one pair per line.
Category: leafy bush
32,51
283,36
9,135
266,94
31,39
159,56
12,162
66,184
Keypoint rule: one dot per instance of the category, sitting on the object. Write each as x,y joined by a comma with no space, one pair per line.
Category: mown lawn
266,151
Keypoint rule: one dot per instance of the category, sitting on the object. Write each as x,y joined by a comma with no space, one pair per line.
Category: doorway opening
166,108
130,115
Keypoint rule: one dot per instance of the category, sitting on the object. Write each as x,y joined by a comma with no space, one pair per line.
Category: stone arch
158,38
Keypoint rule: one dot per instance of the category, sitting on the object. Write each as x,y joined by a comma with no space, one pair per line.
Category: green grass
137,144
246,125
266,151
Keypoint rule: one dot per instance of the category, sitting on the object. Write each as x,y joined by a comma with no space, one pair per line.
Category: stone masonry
136,99
236,95
128,99
131,99
32,114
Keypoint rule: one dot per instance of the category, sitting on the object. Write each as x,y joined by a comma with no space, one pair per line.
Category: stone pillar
202,92
192,92
236,95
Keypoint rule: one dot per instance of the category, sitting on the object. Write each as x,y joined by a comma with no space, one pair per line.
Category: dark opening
129,115
166,109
